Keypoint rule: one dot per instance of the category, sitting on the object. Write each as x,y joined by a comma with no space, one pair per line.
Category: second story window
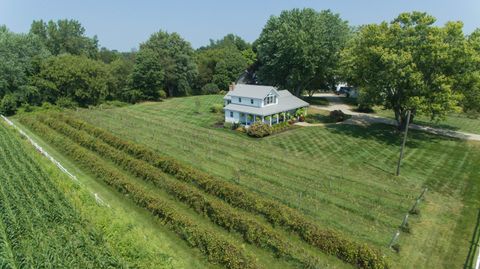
251,101
269,100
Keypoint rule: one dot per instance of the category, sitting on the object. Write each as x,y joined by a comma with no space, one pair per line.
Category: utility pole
403,144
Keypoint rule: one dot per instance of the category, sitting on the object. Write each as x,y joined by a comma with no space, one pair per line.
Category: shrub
364,108
8,105
259,129
162,94
65,102
216,108
337,116
210,88
241,129
228,125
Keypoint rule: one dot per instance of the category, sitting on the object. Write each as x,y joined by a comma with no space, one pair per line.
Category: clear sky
123,24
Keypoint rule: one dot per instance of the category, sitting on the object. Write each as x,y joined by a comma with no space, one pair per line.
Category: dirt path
358,118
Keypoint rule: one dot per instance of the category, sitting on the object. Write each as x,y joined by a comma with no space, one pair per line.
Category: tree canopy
409,64
164,63
78,78
300,49
65,36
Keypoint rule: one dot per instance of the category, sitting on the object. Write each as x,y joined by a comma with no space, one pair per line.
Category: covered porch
248,119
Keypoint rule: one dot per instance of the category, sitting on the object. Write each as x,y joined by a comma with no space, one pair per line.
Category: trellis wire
97,197
405,219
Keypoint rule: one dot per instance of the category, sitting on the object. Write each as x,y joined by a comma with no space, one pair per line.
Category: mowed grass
454,121
340,175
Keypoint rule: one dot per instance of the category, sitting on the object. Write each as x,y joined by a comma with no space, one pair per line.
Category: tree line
406,64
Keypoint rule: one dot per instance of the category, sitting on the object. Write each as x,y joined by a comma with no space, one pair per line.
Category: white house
246,104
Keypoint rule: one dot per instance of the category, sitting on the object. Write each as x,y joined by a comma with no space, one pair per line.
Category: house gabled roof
250,91
286,102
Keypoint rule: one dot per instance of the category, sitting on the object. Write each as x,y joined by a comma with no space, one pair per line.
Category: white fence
97,197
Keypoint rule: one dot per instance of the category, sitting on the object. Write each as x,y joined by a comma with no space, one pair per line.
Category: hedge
217,248
218,211
328,241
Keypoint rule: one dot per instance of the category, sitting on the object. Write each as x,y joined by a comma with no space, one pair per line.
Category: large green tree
65,36
78,78
20,55
164,63
220,66
300,49
409,64
470,81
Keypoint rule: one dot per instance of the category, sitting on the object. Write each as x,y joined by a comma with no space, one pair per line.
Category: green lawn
455,121
340,175
314,100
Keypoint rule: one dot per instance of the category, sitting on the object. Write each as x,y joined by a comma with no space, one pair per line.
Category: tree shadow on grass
435,124
385,134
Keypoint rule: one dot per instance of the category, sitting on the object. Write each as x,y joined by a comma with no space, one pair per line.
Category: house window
269,100
231,114
251,101
239,99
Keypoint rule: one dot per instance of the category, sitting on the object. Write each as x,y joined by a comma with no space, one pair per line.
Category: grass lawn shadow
384,133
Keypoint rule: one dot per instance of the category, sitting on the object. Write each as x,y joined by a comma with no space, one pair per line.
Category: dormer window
251,101
239,99
271,99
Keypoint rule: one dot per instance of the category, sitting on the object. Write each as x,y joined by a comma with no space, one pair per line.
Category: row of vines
217,248
217,210
276,213
227,205
39,228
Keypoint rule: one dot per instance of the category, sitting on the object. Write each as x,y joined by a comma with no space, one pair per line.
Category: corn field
39,228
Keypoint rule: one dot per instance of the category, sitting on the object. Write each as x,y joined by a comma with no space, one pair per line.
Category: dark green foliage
276,213
210,88
337,116
19,58
164,62
217,248
65,102
299,50
221,66
8,105
78,78
259,129
120,71
65,36
216,108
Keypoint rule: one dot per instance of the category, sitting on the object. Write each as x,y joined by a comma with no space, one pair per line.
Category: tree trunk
401,118
297,92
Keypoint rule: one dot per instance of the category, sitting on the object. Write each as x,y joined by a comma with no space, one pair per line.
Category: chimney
231,87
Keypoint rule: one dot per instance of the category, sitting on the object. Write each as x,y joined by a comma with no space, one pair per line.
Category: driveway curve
358,118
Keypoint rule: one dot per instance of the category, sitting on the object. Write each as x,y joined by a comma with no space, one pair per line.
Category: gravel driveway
358,118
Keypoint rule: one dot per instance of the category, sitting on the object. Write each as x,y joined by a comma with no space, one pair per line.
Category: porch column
278,116
263,119
254,118
246,119
271,120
